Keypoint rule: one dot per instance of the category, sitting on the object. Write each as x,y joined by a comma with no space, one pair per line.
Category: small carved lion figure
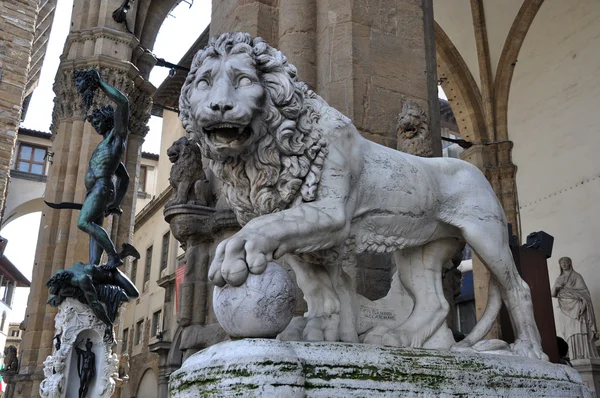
187,175
11,363
413,131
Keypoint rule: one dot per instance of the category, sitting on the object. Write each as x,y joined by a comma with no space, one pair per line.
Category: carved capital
122,75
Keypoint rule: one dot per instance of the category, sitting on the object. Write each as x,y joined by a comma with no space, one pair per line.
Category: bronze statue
86,366
92,283
105,163
103,197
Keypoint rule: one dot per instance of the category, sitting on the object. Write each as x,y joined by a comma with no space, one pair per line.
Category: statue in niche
303,182
86,366
124,367
187,175
413,130
11,362
94,283
577,312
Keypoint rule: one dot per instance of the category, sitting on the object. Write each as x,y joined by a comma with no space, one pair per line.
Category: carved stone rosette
73,320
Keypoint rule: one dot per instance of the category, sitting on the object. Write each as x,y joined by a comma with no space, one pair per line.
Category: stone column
257,17
495,161
297,37
374,57
94,41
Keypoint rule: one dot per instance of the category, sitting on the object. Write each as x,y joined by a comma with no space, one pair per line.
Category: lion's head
184,148
242,103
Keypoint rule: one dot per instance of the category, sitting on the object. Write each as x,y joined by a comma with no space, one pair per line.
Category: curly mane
284,166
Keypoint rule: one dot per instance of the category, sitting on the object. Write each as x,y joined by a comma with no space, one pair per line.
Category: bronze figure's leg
93,210
95,248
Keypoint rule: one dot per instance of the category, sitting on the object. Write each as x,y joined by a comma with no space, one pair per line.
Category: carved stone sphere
262,307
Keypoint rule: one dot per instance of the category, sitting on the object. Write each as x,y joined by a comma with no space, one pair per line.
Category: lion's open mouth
224,133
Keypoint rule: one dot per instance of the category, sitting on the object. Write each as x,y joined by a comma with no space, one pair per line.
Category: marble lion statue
187,176
306,185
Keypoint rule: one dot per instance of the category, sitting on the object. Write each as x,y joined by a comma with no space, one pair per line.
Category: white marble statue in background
576,311
306,186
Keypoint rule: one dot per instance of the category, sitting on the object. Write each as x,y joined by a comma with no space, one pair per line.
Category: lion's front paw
236,257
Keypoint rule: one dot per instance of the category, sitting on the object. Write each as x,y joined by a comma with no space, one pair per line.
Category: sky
177,34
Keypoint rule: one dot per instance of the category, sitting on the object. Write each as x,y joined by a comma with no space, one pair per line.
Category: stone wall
17,31
553,122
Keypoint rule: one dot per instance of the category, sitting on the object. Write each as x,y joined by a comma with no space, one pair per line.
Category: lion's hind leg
488,238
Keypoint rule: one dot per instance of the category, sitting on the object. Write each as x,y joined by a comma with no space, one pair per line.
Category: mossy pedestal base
272,368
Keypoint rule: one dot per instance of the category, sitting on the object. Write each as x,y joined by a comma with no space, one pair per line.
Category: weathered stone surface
262,307
306,185
271,368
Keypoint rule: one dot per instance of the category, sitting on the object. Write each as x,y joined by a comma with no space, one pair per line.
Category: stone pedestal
75,322
589,370
272,368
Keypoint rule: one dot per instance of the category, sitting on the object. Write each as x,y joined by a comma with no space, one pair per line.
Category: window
125,341
156,323
148,265
31,159
142,180
138,331
133,273
14,333
165,251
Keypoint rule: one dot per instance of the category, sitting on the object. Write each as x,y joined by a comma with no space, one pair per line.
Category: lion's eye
244,82
202,84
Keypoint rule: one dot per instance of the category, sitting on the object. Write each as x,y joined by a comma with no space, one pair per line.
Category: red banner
179,275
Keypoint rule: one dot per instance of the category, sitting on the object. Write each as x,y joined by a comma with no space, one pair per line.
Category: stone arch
147,387
149,18
507,62
460,88
31,206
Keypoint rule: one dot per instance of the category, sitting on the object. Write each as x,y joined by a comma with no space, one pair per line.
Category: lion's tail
486,322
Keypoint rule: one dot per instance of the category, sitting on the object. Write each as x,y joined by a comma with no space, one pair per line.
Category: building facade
520,76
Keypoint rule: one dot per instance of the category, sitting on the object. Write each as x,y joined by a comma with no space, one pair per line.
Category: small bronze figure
86,366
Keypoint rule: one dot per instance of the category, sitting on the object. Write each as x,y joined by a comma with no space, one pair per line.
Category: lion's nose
221,106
